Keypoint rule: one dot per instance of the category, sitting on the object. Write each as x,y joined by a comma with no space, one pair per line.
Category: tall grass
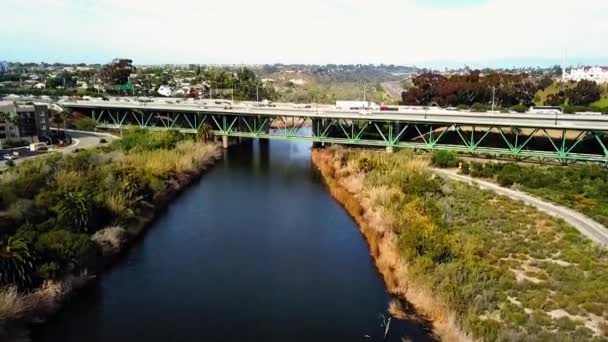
496,265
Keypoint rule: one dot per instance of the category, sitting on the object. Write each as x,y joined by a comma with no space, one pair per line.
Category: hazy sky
422,32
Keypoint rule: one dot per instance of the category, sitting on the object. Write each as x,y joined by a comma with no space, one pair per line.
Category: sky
406,32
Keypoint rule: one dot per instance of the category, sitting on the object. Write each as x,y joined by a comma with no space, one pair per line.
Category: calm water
256,251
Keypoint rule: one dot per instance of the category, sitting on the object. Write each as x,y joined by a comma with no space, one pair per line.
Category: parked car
9,156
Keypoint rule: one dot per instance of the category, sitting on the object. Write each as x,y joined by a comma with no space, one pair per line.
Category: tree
204,133
17,264
11,119
584,93
117,72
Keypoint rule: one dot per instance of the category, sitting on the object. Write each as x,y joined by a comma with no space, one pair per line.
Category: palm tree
204,133
17,264
74,209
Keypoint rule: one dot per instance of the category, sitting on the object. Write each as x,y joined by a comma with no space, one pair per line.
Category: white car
9,156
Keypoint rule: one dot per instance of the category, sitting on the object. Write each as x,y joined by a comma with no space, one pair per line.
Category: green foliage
479,108
144,140
71,250
17,264
468,246
74,210
581,187
519,108
85,124
58,201
443,158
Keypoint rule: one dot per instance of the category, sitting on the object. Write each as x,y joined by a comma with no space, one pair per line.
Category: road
587,226
81,140
405,114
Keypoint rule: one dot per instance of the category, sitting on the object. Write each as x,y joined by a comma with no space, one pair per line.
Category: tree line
505,90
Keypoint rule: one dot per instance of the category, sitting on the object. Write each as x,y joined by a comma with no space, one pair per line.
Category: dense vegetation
51,207
506,89
507,271
509,91
581,187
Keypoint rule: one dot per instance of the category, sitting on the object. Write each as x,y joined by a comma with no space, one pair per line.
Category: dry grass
110,239
187,157
376,226
12,304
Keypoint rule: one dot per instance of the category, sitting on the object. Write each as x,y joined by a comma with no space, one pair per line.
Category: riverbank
474,264
120,189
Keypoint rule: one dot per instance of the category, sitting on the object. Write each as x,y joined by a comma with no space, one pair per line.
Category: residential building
598,74
31,120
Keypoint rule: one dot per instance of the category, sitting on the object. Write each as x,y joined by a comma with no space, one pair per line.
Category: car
364,112
9,156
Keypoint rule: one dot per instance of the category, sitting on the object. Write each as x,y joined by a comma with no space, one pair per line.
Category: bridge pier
225,141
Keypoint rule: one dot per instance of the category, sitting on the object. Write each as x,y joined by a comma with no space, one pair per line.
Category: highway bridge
550,136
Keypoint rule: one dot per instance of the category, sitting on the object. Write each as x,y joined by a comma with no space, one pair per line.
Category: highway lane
432,115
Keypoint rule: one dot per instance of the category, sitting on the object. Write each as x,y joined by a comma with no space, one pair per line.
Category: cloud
304,31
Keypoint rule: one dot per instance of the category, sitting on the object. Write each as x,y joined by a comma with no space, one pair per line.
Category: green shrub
508,175
478,107
520,108
49,270
65,248
569,109
444,158
85,124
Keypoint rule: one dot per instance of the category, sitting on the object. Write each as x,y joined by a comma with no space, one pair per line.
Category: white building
598,74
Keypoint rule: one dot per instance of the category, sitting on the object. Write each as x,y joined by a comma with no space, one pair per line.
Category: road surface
405,114
81,140
587,226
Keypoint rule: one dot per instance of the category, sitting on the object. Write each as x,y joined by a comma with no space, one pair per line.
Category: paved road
405,114
81,140
587,226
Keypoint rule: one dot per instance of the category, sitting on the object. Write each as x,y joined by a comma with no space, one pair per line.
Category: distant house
164,90
598,74
39,85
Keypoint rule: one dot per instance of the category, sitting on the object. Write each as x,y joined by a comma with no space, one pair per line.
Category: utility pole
493,97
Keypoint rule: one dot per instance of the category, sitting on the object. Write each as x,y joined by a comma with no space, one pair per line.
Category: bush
507,176
478,107
520,108
102,141
10,163
443,158
569,109
85,124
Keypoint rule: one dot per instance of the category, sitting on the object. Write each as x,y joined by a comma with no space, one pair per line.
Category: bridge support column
225,141
389,149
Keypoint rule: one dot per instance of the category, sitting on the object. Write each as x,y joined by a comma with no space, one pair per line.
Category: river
256,251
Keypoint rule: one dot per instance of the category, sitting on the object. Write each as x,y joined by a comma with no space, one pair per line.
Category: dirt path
587,226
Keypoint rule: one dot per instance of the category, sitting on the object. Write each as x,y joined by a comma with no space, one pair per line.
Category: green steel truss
519,142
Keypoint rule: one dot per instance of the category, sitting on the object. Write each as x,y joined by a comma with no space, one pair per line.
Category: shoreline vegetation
64,218
476,265
583,188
